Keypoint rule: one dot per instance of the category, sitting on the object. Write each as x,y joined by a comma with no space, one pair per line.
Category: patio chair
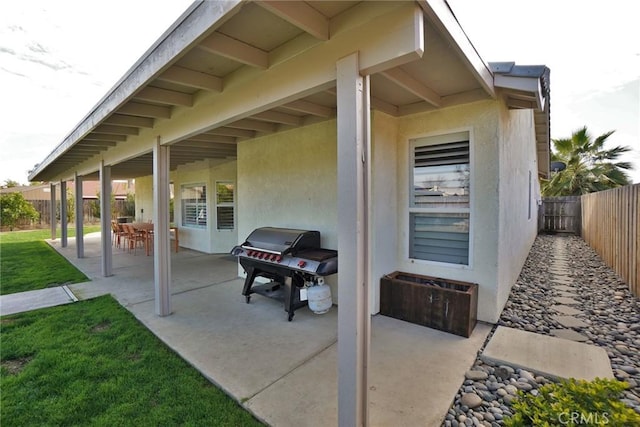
133,237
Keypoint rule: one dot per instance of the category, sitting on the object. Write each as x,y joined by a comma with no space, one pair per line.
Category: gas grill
287,257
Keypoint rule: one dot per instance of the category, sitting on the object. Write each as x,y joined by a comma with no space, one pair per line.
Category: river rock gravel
610,313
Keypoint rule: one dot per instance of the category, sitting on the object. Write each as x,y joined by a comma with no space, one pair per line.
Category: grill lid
282,240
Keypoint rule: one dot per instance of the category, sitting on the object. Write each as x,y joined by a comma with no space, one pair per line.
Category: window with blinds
440,199
194,205
225,199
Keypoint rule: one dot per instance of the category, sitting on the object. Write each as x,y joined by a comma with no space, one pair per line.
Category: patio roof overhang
217,52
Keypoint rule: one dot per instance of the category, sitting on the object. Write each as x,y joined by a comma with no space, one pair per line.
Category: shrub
574,402
13,207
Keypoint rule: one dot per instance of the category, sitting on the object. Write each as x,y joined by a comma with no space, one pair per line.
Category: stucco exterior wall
207,172
144,198
289,180
383,216
519,193
208,239
481,120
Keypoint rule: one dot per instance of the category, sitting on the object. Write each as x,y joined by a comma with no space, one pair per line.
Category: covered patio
285,373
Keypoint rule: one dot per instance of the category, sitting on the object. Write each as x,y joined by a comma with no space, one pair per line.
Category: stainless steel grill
288,258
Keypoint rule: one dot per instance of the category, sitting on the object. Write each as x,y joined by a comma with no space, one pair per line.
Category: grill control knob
278,258
261,255
302,264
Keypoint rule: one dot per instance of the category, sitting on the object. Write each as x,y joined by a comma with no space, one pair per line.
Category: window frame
434,139
198,205
231,205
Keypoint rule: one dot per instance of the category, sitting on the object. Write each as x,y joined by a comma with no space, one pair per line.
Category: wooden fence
560,215
611,226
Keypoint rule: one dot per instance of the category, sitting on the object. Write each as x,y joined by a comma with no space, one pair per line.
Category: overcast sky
58,58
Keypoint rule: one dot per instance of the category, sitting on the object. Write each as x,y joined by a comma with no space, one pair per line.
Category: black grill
288,258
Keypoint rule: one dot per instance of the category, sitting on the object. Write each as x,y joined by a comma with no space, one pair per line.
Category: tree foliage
13,208
589,166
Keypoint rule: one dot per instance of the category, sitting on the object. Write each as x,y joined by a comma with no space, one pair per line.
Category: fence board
610,225
560,215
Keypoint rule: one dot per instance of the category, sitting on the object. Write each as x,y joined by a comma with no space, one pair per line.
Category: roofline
187,30
443,17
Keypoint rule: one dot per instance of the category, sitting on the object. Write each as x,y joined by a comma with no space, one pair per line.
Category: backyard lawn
93,363
27,262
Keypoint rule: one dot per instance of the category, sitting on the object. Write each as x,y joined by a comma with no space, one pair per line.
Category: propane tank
319,297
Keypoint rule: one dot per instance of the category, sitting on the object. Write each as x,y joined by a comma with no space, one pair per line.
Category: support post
353,308
64,232
79,216
52,210
105,218
161,240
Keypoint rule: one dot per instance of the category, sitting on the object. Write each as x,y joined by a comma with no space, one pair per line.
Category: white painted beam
223,45
63,215
96,143
406,81
79,216
278,117
219,139
117,130
255,125
228,131
353,309
161,240
310,108
145,110
164,96
191,78
93,136
301,15
105,219
121,119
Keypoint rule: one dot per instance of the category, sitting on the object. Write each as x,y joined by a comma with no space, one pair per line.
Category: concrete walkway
33,300
285,373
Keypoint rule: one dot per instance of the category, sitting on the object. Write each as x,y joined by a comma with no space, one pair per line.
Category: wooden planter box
447,305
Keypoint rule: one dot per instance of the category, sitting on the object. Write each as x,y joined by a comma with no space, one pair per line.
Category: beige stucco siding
481,120
289,180
518,203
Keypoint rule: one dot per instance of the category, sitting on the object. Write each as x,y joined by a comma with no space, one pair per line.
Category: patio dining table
146,228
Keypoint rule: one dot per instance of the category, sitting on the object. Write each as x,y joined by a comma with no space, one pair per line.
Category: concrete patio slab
415,373
544,355
33,300
284,372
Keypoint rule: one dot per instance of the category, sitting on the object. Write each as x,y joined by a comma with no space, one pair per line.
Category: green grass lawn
93,363
27,262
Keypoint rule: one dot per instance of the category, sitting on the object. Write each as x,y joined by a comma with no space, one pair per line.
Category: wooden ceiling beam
301,15
187,77
407,82
212,138
227,131
310,108
122,120
197,144
145,110
220,44
164,96
116,130
95,136
96,143
256,125
278,117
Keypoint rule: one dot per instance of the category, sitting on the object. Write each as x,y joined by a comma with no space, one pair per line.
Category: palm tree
589,166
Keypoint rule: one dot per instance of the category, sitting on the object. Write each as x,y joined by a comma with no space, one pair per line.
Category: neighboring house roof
191,86
90,190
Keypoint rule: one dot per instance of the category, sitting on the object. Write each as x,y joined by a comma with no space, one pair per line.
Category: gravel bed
611,313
